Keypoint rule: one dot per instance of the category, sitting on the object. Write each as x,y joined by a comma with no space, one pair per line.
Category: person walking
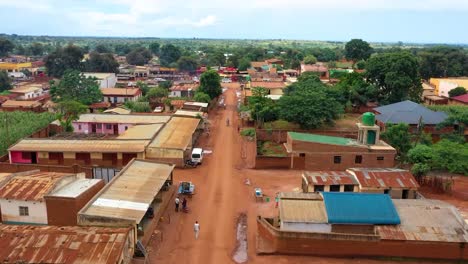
177,201
184,205
196,229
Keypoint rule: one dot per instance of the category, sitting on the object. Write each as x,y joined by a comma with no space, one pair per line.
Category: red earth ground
221,196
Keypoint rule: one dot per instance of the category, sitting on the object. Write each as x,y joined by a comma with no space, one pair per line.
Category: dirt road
221,196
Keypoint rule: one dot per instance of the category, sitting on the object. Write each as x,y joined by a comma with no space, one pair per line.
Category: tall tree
62,59
169,54
101,48
69,111
357,49
155,47
74,86
310,59
5,81
157,94
457,91
201,97
244,64
104,62
6,46
186,63
398,136
396,75
443,61
210,83
36,48
139,56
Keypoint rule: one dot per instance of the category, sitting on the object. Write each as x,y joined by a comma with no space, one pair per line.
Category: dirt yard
224,194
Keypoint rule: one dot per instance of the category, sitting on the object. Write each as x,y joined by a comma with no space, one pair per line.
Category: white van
197,155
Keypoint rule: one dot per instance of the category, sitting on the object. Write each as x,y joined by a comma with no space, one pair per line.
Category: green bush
248,132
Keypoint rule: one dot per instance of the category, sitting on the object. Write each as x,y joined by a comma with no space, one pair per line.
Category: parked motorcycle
189,163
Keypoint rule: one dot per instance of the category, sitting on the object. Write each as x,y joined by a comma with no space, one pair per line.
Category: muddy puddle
240,254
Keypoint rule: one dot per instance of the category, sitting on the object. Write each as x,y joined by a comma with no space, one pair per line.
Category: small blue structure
360,208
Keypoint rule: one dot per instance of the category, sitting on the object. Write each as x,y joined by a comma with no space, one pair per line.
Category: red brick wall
262,162
325,161
62,211
272,241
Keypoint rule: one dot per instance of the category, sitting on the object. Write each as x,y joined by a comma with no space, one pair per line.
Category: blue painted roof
360,208
408,112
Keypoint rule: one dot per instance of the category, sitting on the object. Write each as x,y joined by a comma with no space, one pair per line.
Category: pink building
114,124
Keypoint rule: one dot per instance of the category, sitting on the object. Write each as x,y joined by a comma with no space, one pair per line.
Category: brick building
363,225
23,197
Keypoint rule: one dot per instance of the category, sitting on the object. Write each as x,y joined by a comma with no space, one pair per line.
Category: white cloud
38,5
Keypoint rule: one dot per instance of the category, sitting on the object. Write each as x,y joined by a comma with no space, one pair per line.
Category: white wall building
106,80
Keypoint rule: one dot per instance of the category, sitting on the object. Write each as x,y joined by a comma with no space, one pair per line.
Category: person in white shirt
196,229
177,201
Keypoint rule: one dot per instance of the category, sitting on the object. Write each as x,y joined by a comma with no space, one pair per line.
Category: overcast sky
423,21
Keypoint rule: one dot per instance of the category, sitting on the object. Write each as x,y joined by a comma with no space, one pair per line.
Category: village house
114,124
328,181
183,90
23,197
28,92
363,225
412,114
320,68
66,244
13,105
459,100
273,88
444,85
127,202
195,106
116,96
319,152
105,80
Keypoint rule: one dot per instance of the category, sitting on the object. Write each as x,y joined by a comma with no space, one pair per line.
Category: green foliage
457,114
308,103
36,49
138,107
139,56
357,49
155,48
244,64
361,65
6,46
186,63
156,94
122,49
248,132
210,84
101,48
396,75
143,87
5,81
356,90
451,156
310,59
169,54
75,86
69,111
271,149
201,97
443,61
421,154
62,59
420,169
101,62
217,58
17,125
457,91
165,84
398,136
261,108
281,125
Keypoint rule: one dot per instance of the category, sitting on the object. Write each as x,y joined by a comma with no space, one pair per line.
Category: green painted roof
321,139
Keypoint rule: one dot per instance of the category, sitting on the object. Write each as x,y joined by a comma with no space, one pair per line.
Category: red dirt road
221,195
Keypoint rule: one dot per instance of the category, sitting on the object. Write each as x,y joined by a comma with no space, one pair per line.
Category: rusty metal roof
177,134
129,194
303,211
51,244
87,146
329,178
123,119
384,178
31,187
141,132
426,220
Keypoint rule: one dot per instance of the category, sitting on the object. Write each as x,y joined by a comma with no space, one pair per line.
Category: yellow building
444,85
15,67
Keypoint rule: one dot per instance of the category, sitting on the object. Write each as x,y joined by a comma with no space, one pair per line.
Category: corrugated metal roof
75,188
384,178
87,146
123,119
31,187
141,132
13,103
129,194
51,244
118,110
408,112
186,113
300,196
200,104
302,211
269,85
177,134
329,178
360,208
426,220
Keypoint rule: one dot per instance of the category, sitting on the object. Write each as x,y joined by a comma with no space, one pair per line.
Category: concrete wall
108,82
63,211
271,241
120,99
101,128
11,214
